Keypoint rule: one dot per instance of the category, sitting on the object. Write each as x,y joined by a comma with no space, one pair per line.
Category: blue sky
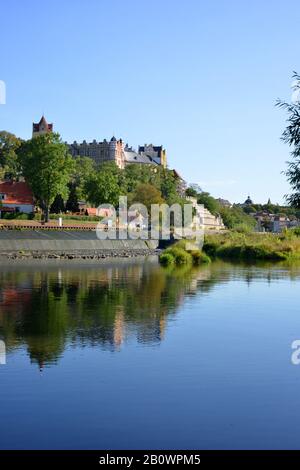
199,77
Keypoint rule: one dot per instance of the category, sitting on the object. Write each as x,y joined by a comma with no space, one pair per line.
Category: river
128,355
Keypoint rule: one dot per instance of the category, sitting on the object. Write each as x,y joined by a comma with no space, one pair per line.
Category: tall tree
105,185
9,145
146,194
84,169
47,167
291,136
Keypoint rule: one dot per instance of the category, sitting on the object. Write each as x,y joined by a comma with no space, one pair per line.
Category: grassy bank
254,246
232,245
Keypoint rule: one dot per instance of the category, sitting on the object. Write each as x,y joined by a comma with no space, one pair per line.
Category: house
99,212
16,196
224,202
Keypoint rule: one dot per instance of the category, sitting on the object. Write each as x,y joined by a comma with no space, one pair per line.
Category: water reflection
48,309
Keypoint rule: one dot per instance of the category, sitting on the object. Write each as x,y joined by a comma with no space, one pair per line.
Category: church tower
41,127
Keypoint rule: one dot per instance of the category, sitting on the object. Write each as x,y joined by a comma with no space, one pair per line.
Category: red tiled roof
91,211
16,192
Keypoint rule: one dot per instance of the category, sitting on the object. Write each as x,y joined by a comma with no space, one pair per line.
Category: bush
17,216
82,218
181,256
199,257
296,231
166,259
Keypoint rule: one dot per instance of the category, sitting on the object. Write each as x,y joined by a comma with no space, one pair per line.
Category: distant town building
248,201
275,223
224,202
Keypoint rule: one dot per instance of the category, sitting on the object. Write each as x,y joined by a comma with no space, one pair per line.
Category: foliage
291,136
199,257
9,145
167,259
252,246
17,216
191,192
47,167
104,186
209,202
180,255
58,205
146,194
235,216
161,178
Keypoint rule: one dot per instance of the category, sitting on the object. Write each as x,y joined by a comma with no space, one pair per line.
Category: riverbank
253,246
78,255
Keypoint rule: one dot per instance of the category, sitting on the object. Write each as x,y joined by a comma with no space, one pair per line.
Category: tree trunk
46,214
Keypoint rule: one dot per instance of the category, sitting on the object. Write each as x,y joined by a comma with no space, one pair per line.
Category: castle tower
116,152
41,127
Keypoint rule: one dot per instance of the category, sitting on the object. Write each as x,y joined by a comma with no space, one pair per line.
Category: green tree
191,192
291,136
105,185
9,145
58,205
84,168
209,202
47,167
146,194
235,216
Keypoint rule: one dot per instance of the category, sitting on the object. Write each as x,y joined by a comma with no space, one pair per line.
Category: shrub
296,231
166,259
200,257
17,216
180,255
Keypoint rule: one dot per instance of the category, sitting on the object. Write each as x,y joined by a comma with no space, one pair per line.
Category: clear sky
199,77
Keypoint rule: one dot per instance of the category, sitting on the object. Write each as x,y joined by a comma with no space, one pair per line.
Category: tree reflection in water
48,309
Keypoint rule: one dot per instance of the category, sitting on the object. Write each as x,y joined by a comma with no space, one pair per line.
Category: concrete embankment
70,245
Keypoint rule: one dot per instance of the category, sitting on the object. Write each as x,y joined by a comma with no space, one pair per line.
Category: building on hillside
204,218
121,154
181,184
100,152
224,202
16,196
156,154
107,151
155,157
41,127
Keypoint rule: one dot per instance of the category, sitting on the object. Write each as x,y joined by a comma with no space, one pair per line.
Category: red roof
36,126
91,211
16,192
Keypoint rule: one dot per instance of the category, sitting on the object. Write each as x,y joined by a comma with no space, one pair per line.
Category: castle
113,150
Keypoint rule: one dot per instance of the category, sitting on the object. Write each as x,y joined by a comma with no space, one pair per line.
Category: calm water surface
130,355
